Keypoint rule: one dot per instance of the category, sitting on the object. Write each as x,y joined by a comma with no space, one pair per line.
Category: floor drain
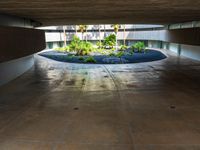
76,108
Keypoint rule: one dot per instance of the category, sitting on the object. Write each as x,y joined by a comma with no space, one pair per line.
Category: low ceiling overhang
62,12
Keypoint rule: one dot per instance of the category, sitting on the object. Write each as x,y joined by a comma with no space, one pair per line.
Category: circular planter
148,56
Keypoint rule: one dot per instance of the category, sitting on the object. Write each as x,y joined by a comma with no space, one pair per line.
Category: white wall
14,68
191,51
133,35
165,45
154,44
173,47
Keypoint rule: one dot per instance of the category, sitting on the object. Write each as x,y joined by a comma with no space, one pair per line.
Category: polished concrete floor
61,106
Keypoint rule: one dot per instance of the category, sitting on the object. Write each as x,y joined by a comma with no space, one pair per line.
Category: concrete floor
61,106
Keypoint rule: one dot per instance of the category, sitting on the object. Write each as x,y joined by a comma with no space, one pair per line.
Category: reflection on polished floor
62,106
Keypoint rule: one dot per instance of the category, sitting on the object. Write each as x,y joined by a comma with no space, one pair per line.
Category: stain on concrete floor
61,106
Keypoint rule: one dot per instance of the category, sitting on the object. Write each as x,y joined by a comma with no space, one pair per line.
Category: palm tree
104,31
65,38
124,34
86,27
76,30
100,35
116,28
82,29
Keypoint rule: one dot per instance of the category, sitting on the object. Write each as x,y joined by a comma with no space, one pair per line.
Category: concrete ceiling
61,12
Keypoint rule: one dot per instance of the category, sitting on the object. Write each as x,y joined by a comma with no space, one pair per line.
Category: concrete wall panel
20,42
191,51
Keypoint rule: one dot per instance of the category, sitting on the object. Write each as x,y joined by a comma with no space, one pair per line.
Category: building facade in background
151,35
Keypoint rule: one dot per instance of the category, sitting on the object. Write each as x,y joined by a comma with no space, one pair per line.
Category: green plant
74,45
131,52
85,48
119,54
81,58
116,29
90,60
62,49
70,56
82,29
99,44
101,51
109,41
80,47
139,46
112,54
123,47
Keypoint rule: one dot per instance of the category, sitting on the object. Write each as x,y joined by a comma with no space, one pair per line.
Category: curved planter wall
14,68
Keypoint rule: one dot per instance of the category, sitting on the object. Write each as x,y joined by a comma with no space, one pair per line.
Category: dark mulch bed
150,55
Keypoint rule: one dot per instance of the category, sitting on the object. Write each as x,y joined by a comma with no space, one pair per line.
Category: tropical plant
131,53
81,58
101,51
75,27
100,35
109,41
99,44
80,47
139,46
63,49
84,48
119,55
124,34
112,54
123,47
74,45
90,60
116,28
65,37
70,56
82,29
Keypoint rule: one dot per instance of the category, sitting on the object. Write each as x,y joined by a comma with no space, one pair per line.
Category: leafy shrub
81,58
109,41
99,44
139,46
131,53
102,51
123,47
74,45
70,56
63,49
90,60
119,54
80,47
84,48
112,54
